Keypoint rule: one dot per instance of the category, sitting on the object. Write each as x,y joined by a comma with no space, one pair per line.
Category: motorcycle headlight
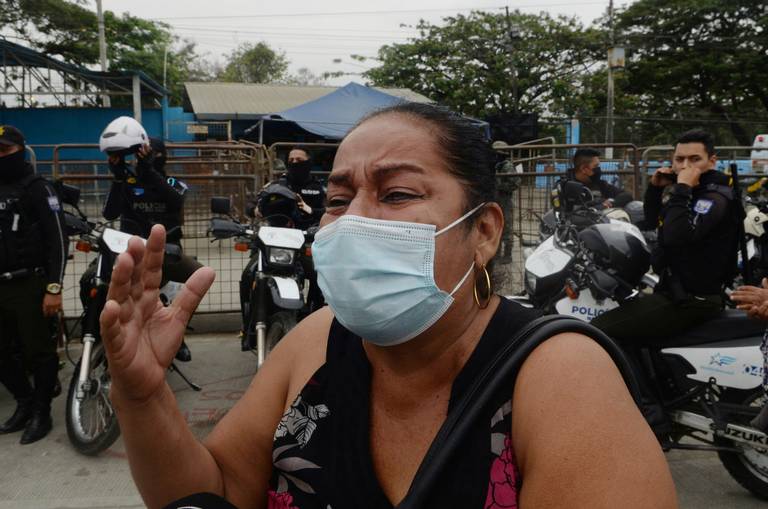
530,282
280,256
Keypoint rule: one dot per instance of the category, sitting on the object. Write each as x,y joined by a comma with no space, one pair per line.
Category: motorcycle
273,282
757,240
706,382
90,418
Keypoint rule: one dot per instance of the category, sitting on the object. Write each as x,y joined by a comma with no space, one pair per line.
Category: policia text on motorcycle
147,196
698,237
33,254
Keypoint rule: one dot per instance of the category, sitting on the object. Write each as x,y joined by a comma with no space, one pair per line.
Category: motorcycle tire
94,431
749,468
279,325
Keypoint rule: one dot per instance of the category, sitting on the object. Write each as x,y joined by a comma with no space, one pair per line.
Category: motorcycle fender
285,293
738,367
585,307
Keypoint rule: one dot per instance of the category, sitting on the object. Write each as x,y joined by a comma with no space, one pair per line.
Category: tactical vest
21,239
146,207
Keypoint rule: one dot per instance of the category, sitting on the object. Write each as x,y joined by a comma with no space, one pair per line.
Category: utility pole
512,33
102,50
609,106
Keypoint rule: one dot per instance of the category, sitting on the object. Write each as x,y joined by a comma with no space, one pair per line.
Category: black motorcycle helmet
617,252
635,211
278,201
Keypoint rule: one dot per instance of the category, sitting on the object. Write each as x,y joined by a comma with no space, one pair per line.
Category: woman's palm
141,336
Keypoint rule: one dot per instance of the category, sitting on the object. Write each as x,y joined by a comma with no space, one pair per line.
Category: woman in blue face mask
345,407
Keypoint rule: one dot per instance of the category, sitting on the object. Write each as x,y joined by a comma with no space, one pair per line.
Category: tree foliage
698,58
255,63
468,62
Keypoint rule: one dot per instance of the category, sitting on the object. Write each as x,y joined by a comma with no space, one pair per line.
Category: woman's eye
399,196
337,202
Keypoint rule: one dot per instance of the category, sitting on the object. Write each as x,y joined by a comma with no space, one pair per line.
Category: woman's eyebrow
377,173
382,171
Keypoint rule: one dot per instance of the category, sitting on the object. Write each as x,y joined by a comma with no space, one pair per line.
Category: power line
380,12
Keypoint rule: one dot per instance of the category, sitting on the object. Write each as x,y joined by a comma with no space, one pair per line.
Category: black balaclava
13,167
597,172
298,172
160,154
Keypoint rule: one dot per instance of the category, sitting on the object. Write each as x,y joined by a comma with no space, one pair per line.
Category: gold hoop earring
487,299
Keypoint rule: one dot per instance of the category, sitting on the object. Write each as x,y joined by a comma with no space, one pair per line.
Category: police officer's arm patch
703,206
54,204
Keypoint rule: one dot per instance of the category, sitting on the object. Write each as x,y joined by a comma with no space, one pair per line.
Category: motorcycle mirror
224,228
68,194
221,205
603,284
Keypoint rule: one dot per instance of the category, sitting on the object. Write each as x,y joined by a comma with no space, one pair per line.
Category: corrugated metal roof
249,101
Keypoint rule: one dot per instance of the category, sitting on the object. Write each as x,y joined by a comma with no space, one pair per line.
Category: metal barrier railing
228,263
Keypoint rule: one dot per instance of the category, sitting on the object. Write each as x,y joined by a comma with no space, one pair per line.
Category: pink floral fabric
280,500
502,486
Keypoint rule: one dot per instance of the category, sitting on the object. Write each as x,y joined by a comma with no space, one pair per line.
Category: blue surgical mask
378,276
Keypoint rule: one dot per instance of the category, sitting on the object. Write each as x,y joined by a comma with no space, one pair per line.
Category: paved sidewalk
50,474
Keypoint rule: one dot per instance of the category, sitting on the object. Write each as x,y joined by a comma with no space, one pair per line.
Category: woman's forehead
390,137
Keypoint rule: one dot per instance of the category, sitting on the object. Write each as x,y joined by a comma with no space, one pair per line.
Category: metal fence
240,169
230,169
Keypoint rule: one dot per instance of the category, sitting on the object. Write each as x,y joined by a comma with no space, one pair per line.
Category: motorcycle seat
729,325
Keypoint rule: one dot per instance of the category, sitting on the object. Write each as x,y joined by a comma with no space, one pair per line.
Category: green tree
467,63
697,59
255,63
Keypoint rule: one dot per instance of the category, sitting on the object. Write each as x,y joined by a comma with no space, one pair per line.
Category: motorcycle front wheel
91,422
279,325
750,466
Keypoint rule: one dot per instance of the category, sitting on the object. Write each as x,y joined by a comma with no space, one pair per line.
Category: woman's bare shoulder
573,421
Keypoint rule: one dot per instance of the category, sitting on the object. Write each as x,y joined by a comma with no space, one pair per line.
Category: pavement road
50,474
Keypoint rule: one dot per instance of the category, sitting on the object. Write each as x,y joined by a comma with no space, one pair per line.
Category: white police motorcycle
707,380
90,417
271,287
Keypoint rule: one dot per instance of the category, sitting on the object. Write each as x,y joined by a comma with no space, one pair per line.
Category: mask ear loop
487,300
459,220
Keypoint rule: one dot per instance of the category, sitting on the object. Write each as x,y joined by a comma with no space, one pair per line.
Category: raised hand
140,335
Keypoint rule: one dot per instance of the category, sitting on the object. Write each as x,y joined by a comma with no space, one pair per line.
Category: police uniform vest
21,238
146,206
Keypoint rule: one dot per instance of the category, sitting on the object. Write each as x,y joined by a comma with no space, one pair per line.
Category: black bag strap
499,372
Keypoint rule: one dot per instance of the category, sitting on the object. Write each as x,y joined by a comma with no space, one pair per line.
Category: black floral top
321,453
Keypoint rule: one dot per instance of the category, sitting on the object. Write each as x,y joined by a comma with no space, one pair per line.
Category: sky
314,34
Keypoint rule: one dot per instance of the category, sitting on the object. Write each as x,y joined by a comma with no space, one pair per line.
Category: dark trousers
26,342
179,268
650,319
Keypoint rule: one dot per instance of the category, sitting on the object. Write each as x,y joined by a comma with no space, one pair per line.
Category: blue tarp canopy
333,115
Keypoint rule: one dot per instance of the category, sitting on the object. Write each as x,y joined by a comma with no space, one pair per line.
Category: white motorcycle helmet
124,135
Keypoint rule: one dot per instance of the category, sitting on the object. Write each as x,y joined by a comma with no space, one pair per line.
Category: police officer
147,197
309,190
586,169
33,254
697,246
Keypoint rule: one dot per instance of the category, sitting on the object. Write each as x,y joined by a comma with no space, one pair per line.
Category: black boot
19,419
14,378
38,427
761,421
184,354
45,374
